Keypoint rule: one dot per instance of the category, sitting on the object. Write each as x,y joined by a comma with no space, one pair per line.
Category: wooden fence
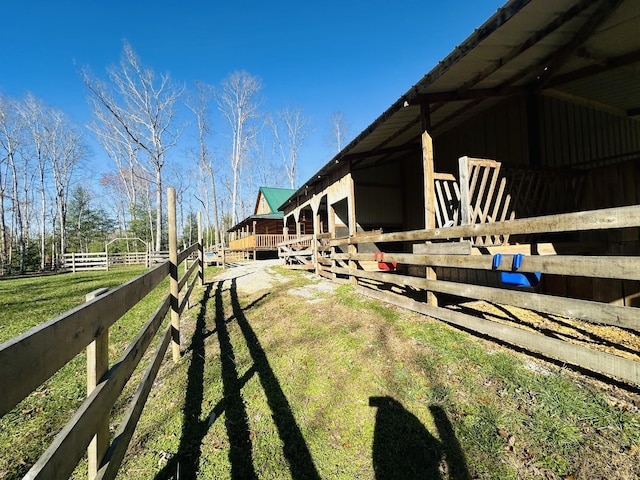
259,241
33,357
299,253
83,262
452,247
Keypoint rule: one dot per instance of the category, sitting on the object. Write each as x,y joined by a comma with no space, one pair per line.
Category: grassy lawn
31,425
272,386
336,386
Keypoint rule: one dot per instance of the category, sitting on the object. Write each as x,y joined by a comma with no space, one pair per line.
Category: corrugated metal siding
500,134
378,196
378,206
574,135
413,192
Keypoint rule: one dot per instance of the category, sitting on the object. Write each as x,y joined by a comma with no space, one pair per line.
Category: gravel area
255,276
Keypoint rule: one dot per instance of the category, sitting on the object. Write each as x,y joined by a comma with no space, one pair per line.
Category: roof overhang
265,217
585,51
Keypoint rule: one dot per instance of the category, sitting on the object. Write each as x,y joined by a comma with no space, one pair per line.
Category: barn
509,173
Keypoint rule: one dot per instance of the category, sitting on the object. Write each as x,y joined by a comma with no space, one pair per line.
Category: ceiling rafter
549,65
548,69
465,90
602,66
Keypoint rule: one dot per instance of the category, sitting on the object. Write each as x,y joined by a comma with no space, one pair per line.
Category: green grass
27,302
349,388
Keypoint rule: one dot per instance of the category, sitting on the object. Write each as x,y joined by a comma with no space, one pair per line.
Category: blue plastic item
497,258
517,279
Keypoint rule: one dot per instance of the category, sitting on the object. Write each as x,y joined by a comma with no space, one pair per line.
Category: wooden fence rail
298,252
617,267
82,262
33,357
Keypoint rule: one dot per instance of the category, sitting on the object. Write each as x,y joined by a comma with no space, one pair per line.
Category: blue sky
354,56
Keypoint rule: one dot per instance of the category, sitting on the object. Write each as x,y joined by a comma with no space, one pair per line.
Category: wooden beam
31,358
173,260
617,267
606,8
470,94
97,367
603,219
382,151
603,66
428,166
465,92
585,310
62,455
115,454
594,360
443,248
465,197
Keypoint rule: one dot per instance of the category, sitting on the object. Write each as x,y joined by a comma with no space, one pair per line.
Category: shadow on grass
185,463
295,448
404,449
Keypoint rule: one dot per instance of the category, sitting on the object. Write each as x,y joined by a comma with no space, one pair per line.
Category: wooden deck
258,242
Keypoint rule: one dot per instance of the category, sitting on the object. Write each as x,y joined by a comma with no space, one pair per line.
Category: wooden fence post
173,261
200,250
353,230
465,200
428,167
97,366
255,241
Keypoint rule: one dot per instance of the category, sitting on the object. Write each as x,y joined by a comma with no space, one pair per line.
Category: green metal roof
276,196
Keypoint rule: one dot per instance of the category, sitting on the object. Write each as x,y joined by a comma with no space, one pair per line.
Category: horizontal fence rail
299,252
453,250
30,359
81,262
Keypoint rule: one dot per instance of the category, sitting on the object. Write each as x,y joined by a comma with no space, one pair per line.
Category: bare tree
238,101
9,140
123,151
143,108
34,115
291,128
199,105
11,137
65,150
267,172
338,131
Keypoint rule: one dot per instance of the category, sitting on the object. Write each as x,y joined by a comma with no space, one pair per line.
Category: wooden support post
173,261
429,201
316,230
353,228
465,200
200,251
298,226
97,366
331,212
73,262
255,241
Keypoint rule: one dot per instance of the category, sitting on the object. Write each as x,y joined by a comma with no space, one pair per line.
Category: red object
382,265
389,266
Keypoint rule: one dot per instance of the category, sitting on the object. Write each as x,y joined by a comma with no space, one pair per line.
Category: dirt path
260,275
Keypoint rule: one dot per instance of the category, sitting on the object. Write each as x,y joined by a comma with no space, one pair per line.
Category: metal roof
248,222
587,51
275,196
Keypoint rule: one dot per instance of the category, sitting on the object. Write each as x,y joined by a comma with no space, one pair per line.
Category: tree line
213,143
